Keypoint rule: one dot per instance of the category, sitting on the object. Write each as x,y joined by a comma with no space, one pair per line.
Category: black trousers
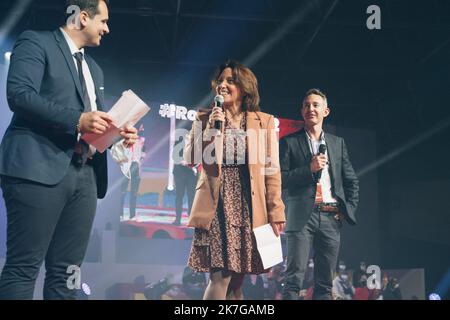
134,188
322,232
185,181
51,223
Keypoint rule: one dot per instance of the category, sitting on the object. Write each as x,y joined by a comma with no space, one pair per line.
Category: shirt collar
321,138
73,48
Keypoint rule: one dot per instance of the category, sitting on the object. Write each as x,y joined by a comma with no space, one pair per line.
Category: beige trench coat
263,165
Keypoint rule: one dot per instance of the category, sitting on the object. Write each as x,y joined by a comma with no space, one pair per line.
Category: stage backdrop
155,209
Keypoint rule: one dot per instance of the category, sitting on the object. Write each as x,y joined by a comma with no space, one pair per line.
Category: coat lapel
98,89
304,147
253,125
253,121
332,154
69,59
218,147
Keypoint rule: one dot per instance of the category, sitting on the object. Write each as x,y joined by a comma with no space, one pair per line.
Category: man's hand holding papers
127,111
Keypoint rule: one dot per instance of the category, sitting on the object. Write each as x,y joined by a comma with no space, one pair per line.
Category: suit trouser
51,223
184,183
322,232
135,180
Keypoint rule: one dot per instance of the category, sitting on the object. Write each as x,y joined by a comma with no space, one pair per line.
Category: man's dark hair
90,6
316,92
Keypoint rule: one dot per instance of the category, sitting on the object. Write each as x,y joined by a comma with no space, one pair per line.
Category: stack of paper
127,111
269,246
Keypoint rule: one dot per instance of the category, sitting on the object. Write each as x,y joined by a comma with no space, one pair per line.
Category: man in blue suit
51,178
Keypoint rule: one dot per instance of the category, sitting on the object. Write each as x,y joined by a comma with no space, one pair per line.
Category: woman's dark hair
245,79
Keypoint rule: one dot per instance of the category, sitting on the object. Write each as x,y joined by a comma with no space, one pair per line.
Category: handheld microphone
218,102
322,150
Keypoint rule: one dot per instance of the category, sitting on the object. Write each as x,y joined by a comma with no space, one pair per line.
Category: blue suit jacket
45,95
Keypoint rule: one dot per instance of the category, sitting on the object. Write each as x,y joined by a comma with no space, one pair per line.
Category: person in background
390,289
194,283
342,284
253,287
275,281
185,177
132,169
361,290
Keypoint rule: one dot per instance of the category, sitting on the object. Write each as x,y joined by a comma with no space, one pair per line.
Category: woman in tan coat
239,187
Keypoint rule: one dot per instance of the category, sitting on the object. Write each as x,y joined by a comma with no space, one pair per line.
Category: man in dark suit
51,178
322,191
185,181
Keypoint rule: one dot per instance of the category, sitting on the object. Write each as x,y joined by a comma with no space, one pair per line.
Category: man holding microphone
322,192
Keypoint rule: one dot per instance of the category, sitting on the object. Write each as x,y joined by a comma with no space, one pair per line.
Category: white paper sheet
269,246
128,110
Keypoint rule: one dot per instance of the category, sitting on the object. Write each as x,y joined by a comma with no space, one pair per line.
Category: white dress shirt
87,78
86,72
325,179
118,148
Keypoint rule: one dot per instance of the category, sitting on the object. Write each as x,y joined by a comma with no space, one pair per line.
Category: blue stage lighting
434,296
86,289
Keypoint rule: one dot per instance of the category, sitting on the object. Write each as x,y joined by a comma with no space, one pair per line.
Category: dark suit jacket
299,183
45,95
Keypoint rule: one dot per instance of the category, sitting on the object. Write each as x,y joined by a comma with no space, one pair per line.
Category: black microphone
322,150
218,101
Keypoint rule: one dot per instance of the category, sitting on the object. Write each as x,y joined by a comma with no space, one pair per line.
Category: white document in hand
128,110
269,246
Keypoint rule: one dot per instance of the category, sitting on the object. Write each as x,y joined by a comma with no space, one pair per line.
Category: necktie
82,147
87,102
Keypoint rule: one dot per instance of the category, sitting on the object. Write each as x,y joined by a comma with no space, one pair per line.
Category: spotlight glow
434,296
7,56
86,289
